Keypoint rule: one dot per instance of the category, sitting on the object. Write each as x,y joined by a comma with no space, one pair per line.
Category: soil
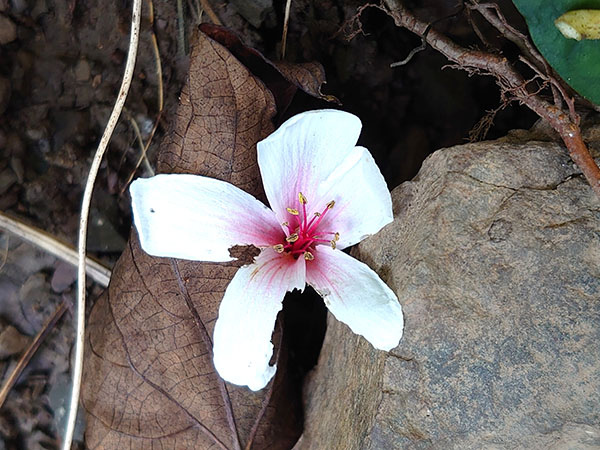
61,65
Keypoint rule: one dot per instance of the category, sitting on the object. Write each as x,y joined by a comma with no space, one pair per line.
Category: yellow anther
292,237
333,244
278,248
285,224
331,204
337,236
292,211
308,256
317,214
302,198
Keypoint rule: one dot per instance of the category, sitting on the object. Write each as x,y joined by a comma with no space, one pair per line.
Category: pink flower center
304,233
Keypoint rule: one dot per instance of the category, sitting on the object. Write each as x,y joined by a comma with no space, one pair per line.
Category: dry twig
286,21
510,81
83,221
30,351
144,147
210,12
530,55
97,271
142,158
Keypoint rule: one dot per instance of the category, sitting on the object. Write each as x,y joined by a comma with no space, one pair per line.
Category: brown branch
510,81
491,12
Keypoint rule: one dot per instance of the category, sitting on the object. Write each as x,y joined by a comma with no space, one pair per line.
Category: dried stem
286,21
210,12
96,270
491,12
30,351
140,140
85,211
4,254
180,29
144,147
510,81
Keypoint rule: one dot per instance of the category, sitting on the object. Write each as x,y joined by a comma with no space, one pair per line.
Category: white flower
325,194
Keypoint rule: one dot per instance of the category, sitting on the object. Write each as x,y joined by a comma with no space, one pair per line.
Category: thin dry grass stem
144,147
138,137
83,221
286,21
4,255
180,29
96,270
511,82
196,9
210,12
30,351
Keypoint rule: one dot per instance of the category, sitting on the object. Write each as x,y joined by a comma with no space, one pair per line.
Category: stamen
304,234
292,237
303,202
312,225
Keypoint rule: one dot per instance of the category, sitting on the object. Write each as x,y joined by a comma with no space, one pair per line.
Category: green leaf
577,62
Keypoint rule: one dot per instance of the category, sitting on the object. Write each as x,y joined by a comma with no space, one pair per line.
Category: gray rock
64,276
494,254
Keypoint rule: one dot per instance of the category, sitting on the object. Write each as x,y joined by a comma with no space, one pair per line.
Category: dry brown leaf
309,77
149,380
282,78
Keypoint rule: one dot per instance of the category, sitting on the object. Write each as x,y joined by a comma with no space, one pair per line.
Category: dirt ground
61,64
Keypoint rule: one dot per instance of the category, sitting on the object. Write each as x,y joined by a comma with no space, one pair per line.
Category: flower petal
304,151
242,336
199,218
357,296
363,204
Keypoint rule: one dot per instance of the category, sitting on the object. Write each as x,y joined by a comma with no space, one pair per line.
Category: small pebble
96,81
63,277
82,70
11,342
8,30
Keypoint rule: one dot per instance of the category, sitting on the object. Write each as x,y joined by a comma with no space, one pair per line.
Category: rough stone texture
495,257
